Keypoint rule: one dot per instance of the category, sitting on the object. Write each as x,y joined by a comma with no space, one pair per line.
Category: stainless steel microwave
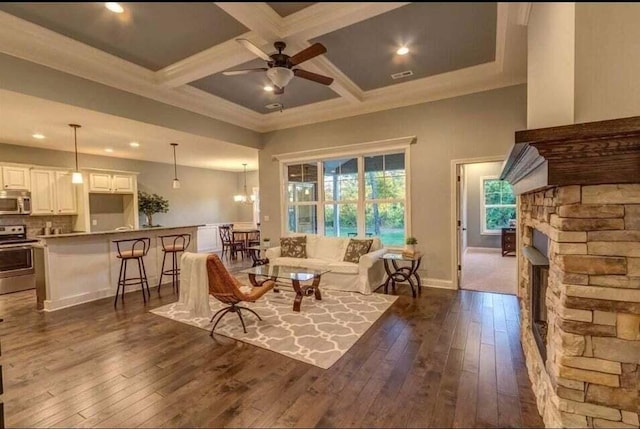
15,202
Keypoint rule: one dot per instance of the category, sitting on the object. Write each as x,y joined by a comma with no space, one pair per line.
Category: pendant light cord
75,142
175,165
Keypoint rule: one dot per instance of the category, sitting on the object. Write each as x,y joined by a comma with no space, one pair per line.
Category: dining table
242,234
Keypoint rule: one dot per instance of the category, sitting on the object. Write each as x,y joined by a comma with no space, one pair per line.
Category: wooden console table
508,241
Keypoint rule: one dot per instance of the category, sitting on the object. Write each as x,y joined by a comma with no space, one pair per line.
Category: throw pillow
293,247
355,249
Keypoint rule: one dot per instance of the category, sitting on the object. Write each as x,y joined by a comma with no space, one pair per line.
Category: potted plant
266,241
150,204
410,246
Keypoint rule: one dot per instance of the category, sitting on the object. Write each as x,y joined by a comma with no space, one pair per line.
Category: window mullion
360,218
320,199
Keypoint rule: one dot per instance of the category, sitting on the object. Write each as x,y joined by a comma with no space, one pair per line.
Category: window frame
483,207
361,200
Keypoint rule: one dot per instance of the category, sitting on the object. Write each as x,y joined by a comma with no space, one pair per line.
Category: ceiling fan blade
245,71
308,53
313,76
277,90
253,48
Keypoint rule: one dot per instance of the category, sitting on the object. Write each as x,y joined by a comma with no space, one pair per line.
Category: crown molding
345,150
31,42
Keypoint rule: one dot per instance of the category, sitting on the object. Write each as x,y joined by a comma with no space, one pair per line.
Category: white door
99,182
122,183
65,194
15,178
461,218
42,195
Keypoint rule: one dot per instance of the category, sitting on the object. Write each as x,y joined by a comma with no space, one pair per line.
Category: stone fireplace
579,187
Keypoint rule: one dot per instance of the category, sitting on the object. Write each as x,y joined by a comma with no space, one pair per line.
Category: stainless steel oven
15,202
16,259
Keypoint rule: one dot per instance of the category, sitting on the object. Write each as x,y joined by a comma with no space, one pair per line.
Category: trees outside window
498,205
361,195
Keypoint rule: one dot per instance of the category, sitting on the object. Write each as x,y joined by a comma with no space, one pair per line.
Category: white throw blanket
194,284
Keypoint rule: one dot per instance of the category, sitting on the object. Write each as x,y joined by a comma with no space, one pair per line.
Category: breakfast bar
82,267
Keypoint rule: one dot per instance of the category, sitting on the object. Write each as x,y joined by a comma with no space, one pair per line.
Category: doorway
484,206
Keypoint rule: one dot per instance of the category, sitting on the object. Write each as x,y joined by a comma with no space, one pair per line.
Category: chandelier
245,197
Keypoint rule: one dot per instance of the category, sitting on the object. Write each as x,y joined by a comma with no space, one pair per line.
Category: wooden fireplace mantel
593,153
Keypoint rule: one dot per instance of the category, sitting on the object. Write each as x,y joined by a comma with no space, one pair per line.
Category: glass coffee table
294,274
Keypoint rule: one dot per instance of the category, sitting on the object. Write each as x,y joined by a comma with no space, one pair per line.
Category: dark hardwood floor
445,359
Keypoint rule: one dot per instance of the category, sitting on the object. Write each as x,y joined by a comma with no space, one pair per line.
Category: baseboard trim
74,300
438,283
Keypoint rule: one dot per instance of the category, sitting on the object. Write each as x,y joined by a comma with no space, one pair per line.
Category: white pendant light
176,182
76,176
244,198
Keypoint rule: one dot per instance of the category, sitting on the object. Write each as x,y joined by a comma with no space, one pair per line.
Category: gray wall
206,196
39,81
473,173
476,125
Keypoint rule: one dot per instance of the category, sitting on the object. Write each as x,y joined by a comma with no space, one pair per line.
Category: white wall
607,61
476,125
551,65
473,175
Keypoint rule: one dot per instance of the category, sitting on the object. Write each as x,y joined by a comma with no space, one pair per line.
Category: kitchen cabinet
111,183
122,183
99,182
52,193
65,194
42,193
15,178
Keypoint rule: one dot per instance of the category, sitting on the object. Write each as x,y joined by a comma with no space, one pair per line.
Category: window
361,195
302,193
498,205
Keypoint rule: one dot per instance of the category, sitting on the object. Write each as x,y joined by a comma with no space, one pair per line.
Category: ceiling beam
259,17
323,18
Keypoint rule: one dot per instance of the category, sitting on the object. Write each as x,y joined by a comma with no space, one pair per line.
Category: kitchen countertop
84,234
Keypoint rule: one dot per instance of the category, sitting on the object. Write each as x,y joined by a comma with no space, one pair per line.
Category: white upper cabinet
15,178
122,183
65,190
42,192
52,193
105,182
99,182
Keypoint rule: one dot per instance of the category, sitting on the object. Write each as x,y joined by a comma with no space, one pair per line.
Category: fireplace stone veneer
590,377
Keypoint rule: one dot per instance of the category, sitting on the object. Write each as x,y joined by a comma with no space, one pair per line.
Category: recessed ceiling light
134,144
403,50
108,150
268,88
38,136
114,7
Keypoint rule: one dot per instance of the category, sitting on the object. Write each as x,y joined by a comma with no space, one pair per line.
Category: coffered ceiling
175,52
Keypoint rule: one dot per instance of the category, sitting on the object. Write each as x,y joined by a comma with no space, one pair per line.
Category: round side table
405,273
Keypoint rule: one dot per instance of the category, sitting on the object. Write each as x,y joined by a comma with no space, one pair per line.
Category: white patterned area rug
319,334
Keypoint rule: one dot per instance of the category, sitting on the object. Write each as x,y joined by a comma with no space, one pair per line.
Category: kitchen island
79,267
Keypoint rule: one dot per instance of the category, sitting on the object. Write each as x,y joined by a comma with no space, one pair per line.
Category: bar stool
138,249
172,244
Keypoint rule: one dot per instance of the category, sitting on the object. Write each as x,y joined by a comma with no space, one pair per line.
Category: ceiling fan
280,66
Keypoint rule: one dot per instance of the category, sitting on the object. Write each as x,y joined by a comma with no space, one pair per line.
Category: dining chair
229,244
226,289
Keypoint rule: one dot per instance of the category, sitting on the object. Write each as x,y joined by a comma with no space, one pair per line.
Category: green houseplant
150,204
410,246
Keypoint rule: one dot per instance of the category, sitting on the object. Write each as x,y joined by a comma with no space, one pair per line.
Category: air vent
402,75
273,106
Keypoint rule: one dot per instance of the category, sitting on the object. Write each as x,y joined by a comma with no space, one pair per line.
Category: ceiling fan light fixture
280,76
268,88
403,50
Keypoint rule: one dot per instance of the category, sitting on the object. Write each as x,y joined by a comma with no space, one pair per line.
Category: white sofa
328,253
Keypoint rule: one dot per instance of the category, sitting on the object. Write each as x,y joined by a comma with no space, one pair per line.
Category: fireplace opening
538,279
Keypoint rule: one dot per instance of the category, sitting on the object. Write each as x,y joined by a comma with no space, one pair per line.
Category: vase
149,219
409,249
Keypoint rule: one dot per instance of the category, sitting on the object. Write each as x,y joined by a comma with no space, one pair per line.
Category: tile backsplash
35,224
